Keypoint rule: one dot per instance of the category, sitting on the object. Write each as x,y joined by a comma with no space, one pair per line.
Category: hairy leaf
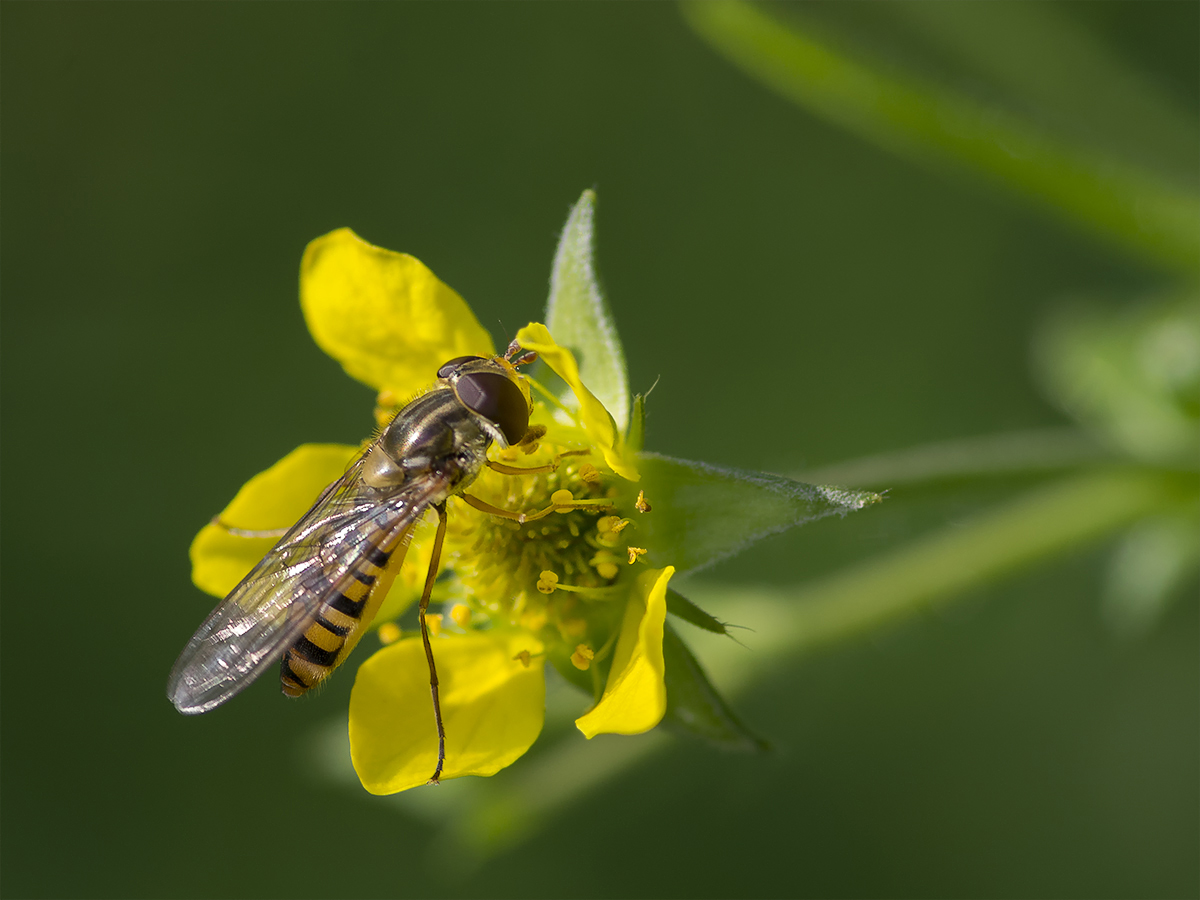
680,606
578,315
701,513
693,704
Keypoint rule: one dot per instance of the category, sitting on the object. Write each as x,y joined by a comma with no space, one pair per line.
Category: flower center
552,575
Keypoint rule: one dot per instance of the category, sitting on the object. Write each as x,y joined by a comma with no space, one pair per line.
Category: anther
605,564
461,614
635,553
611,524
524,656
547,582
589,473
641,504
389,633
582,657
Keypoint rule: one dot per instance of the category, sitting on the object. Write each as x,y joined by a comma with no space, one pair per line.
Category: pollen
635,553
389,633
642,505
461,614
582,657
547,582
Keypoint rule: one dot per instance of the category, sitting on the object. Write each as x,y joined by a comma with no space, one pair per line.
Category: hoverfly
310,599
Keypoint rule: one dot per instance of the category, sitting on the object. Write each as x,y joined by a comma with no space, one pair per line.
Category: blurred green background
806,298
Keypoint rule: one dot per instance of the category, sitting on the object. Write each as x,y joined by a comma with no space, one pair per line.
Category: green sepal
680,606
701,513
693,705
637,425
578,315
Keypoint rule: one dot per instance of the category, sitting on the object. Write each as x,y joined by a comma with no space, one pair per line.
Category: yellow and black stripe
340,620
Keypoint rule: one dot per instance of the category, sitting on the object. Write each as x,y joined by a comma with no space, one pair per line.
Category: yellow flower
391,323
575,573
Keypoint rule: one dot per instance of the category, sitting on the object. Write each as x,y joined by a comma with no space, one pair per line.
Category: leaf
693,704
680,606
578,315
1134,206
702,513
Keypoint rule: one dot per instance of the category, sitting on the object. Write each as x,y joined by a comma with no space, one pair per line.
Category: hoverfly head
494,391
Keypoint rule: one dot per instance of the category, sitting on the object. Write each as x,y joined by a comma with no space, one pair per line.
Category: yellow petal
383,315
635,697
596,419
492,706
275,498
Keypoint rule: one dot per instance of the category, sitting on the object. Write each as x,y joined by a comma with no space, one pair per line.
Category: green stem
1009,453
786,622
1134,207
935,569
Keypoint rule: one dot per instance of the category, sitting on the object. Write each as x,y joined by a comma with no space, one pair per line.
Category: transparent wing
274,604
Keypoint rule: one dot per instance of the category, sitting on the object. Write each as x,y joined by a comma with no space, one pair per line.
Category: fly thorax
433,435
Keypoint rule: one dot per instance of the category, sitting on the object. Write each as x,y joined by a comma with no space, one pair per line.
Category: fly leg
433,679
564,505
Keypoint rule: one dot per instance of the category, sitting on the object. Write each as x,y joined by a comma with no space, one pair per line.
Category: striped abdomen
341,619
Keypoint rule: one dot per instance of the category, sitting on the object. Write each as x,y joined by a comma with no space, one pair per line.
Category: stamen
611,525
524,656
641,504
389,633
547,582
461,614
589,473
635,553
605,564
582,657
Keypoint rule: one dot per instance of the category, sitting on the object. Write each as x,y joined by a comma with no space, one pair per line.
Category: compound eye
497,399
447,369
